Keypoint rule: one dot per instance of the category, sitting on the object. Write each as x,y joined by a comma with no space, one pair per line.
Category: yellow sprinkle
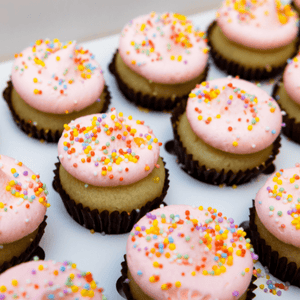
14,282
74,289
2,289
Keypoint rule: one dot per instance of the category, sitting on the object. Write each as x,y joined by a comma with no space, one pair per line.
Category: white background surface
22,21
102,255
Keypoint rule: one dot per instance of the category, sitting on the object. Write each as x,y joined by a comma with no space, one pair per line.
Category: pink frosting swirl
234,115
277,204
23,200
108,149
45,280
182,253
57,78
291,79
261,24
164,48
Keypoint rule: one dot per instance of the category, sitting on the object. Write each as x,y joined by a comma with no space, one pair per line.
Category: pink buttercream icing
233,115
43,280
181,253
259,24
164,48
57,78
23,200
279,208
108,149
291,79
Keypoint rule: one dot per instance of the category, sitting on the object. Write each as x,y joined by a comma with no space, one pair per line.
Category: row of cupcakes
109,186
174,252
183,252
139,142
160,59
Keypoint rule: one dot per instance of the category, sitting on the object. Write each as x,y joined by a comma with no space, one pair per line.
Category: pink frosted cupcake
182,252
253,39
275,225
48,280
110,172
228,132
160,58
286,92
53,83
23,204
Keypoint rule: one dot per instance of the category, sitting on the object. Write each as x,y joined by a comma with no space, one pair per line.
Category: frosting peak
164,48
234,115
181,253
259,24
108,149
57,78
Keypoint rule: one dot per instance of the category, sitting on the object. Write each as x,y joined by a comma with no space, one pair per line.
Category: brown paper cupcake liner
146,101
202,173
277,266
29,129
32,250
236,69
291,128
110,223
124,289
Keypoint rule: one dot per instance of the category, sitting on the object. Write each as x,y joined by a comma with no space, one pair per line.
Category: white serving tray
64,239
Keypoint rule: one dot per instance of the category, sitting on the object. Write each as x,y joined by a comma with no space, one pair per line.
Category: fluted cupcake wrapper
32,250
291,128
211,176
123,288
277,266
110,223
43,134
236,69
146,101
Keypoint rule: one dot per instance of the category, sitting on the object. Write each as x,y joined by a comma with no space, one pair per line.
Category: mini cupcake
253,39
161,57
23,204
286,92
48,280
110,173
52,84
228,132
275,225
182,252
